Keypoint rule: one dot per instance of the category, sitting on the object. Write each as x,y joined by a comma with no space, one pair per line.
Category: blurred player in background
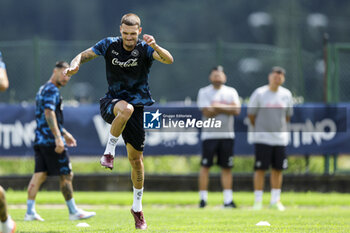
128,62
4,82
269,110
7,224
51,156
222,103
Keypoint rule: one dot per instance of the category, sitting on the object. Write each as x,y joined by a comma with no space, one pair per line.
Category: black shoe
230,205
202,204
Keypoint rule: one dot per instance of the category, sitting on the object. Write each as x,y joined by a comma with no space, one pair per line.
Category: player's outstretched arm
81,58
160,54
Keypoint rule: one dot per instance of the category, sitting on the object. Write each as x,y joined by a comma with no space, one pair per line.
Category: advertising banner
314,129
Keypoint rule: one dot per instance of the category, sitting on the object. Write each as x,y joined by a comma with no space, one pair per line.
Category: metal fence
30,63
338,82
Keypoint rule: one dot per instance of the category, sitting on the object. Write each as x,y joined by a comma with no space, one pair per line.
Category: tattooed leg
136,161
66,186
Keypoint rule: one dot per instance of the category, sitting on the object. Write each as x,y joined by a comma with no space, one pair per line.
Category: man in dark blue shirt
128,61
51,157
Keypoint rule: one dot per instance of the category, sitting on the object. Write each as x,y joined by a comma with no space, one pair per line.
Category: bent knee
123,109
127,111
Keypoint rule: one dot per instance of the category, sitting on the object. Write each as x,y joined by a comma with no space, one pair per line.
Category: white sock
203,195
111,144
7,224
227,196
137,204
275,196
258,195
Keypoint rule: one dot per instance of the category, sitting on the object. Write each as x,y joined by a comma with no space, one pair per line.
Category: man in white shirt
220,102
269,110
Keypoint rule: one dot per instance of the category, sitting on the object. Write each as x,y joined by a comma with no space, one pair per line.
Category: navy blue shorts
222,148
266,155
47,160
133,133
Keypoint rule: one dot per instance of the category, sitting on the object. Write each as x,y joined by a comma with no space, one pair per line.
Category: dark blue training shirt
48,97
127,71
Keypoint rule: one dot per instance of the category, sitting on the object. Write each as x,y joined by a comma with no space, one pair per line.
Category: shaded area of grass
170,164
290,199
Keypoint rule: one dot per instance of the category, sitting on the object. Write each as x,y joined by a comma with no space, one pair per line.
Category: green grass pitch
178,212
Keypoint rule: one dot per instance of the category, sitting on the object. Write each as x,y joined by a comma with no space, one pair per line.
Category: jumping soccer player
269,110
128,63
51,156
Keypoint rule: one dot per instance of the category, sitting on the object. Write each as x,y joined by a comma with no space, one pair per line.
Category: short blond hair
130,19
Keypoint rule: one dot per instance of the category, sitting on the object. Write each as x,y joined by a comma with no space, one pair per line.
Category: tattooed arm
81,58
51,120
160,54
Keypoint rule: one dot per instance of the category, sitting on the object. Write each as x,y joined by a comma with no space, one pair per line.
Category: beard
60,84
218,83
130,44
